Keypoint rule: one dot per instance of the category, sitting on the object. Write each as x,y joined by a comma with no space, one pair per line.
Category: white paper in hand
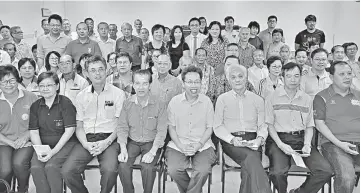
298,160
41,149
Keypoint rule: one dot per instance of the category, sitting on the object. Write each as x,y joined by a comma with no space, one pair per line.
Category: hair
47,64
333,49
157,27
210,38
81,23
105,23
233,67
231,44
191,69
108,56
318,50
290,66
10,43
172,34
167,28
89,18
254,24
145,30
34,47
300,50
277,30
181,60
84,56
310,18
5,26
22,61
43,21
94,59
257,50
71,57
272,17
141,23
116,27
194,19
345,45
143,72
205,29
232,56
124,54
7,70
13,30
285,46
56,17
48,74
332,68
228,18
272,59
200,48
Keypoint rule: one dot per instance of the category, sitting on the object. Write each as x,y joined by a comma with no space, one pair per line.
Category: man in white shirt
257,71
195,39
4,58
228,32
106,44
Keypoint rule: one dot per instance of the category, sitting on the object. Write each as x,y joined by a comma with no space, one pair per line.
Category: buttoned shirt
266,86
190,41
274,49
190,119
99,112
75,49
355,66
106,47
311,85
239,113
246,54
4,58
23,50
32,87
289,114
134,47
14,118
256,74
143,124
72,87
166,88
232,36
46,44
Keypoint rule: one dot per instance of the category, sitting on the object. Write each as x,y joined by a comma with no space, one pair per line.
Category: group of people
96,95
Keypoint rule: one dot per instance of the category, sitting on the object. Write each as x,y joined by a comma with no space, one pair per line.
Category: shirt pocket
109,112
59,124
152,118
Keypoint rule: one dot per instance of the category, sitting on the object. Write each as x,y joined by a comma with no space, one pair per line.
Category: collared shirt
143,124
256,42
114,79
266,86
274,49
355,66
99,112
72,35
166,88
341,114
289,114
134,47
106,47
311,85
190,119
190,41
32,87
266,37
23,50
239,113
232,36
4,58
246,54
46,44
52,122
75,49
14,118
72,87
256,74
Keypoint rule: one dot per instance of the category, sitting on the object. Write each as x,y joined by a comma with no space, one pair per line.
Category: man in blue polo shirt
337,117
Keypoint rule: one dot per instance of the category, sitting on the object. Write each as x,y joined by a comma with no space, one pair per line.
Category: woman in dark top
254,39
52,122
158,32
177,48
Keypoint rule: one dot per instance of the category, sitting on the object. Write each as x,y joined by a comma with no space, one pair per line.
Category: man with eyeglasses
71,83
351,49
54,41
289,115
311,34
190,122
98,108
194,39
23,49
266,35
317,78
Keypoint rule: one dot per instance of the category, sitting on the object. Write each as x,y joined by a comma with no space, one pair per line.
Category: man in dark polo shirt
131,44
337,117
83,44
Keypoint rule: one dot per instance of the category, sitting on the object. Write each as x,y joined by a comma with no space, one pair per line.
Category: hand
239,142
100,147
90,146
255,143
188,150
306,150
193,148
123,156
21,141
45,157
347,147
148,157
286,149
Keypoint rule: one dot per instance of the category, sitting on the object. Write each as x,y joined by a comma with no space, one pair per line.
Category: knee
108,170
203,170
67,170
173,170
49,168
5,171
278,172
346,176
147,167
123,166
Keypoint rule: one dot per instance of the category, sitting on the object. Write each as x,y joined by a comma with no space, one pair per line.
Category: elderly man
245,48
311,34
113,30
10,48
23,49
239,123
190,121
200,61
138,27
67,29
289,115
106,44
131,44
90,23
258,70
45,27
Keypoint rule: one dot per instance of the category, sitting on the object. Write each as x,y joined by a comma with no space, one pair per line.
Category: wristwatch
109,142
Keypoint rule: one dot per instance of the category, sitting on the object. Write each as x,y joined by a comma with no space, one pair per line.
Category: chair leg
357,179
116,186
209,182
159,181
330,186
164,178
64,187
13,183
223,176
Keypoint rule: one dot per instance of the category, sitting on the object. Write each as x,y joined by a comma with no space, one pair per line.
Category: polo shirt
274,49
289,114
75,49
166,88
246,54
32,87
23,50
266,86
99,112
14,118
190,119
143,124
52,122
134,48
46,45
72,87
311,85
106,47
341,114
233,36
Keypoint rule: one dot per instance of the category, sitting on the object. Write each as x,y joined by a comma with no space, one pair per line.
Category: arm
161,129
219,128
34,125
323,40
261,125
172,127
80,133
6,140
97,50
310,124
40,54
298,41
297,46
123,129
209,125
64,139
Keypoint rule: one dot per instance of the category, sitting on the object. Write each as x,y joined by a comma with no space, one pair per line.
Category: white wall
339,20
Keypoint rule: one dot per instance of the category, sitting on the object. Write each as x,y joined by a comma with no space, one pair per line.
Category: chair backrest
8,188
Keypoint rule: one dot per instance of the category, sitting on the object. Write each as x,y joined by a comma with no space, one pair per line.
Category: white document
298,160
41,149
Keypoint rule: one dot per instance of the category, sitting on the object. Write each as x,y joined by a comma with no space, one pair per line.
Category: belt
242,133
293,132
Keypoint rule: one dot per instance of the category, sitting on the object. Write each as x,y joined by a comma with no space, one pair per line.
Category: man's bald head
126,25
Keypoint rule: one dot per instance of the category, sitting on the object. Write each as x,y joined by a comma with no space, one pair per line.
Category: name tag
355,102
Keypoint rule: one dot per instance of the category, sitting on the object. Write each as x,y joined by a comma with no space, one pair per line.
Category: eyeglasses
95,71
351,49
276,67
10,81
320,59
193,82
194,25
65,63
53,58
55,25
42,87
19,32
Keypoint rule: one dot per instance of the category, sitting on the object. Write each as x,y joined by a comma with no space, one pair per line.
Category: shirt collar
34,80
168,77
236,95
91,88
151,100
86,42
60,36
72,78
108,40
184,99
123,38
21,94
332,92
282,92
56,100
323,75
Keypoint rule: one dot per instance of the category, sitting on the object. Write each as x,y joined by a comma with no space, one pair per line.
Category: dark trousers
201,164
15,162
135,68
80,157
47,177
280,163
147,170
254,178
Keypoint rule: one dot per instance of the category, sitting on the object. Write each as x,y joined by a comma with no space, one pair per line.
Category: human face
141,85
203,23
244,35
229,62
48,88
126,30
158,34
232,50
10,49
311,25
18,34
178,34
319,61
194,26
123,65
339,54
113,30
258,57
144,34
35,53
275,68
166,37
254,30
185,64
138,25
27,71
53,60
229,24
201,56
237,79
103,30
45,26
8,84
66,66
112,60
277,37
90,24
301,58
292,78
55,26
97,72
82,30
5,33
272,23
66,25
215,31
285,54
351,51
163,65
342,77
192,84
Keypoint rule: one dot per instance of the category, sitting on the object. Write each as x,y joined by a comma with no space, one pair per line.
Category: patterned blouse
208,73
215,52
